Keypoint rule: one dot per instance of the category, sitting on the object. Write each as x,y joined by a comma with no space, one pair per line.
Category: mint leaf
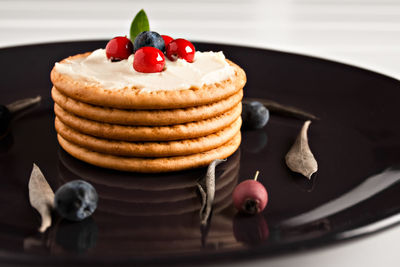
139,24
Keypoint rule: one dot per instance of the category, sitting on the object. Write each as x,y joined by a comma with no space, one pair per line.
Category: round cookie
76,169
151,165
149,149
134,98
147,133
145,117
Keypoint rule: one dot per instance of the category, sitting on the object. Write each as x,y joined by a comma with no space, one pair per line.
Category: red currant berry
167,39
119,48
250,196
180,48
149,59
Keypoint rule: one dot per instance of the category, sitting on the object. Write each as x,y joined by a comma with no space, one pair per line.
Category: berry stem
256,175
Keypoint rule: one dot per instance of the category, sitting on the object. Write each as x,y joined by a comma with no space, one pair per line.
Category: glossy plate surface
153,219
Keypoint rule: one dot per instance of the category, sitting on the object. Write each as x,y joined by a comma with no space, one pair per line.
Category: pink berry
180,48
250,196
119,48
149,59
167,39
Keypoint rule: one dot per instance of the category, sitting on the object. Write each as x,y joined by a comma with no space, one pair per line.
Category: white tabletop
364,33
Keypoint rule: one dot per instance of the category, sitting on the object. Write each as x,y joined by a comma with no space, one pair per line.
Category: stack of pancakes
147,131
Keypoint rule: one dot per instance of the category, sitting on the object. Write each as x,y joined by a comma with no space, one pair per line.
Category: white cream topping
207,68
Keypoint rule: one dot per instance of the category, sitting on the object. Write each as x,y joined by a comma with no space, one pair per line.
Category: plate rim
214,257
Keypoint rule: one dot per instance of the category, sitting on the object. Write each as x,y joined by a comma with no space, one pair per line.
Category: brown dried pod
206,188
41,197
300,158
278,108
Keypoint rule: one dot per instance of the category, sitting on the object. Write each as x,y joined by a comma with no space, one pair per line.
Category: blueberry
5,120
76,200
149,38
254,115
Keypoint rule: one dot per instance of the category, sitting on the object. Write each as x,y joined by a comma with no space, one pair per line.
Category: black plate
154,218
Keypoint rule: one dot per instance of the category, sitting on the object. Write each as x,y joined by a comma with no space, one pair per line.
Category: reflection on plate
144,219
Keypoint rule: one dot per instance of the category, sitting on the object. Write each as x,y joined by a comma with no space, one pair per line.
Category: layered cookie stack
112,116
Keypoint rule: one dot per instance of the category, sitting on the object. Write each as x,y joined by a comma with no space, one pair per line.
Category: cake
110,115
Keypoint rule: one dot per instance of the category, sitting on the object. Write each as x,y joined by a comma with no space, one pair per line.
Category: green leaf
139,24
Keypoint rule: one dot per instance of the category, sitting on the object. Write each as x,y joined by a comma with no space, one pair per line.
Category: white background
364,33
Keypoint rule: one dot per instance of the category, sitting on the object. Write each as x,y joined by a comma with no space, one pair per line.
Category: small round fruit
180,48
250,196
148,60
149,38
76,200
119,48
254,115
167,39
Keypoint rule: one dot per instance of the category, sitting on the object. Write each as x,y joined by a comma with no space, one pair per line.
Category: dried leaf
23,103
41,197
300,158
206,187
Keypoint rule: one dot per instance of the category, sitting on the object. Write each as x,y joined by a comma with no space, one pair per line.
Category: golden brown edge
148,133
153,165
157,117
137,99
149,149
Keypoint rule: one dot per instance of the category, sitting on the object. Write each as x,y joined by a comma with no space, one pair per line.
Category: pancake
135,98
145,117
73,169
149,149
150,165
147,133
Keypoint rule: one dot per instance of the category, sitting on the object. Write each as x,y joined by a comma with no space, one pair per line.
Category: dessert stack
167,141
143,112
